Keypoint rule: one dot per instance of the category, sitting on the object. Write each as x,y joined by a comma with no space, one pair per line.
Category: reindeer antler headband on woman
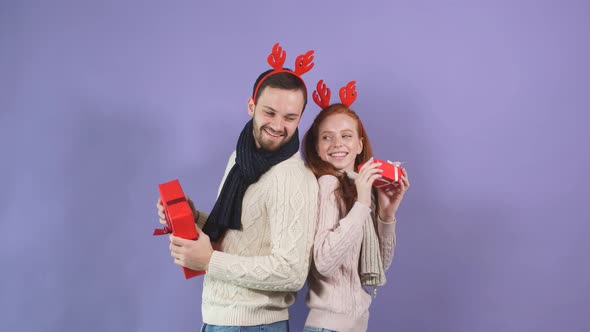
321,95
276,59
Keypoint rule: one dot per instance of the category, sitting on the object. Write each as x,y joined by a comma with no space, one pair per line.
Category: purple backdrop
485,100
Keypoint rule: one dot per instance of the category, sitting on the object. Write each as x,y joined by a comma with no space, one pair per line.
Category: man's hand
161,216
193,254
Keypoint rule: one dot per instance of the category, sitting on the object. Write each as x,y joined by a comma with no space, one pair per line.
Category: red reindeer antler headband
276,59
321,95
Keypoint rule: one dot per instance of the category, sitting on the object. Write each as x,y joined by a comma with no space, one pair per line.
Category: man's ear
251,106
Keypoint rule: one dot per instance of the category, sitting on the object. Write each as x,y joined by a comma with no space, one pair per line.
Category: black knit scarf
250,164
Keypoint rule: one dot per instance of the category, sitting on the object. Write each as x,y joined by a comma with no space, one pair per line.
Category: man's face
275,117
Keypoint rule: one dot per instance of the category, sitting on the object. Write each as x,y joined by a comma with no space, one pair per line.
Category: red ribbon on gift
162,231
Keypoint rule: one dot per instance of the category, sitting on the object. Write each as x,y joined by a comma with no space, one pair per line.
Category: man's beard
267,143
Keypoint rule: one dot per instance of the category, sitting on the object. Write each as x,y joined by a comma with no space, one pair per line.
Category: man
263,222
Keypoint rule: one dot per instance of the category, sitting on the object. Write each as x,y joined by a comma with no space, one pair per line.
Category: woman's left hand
391,198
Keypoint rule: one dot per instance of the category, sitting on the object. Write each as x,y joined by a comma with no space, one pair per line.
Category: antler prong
321,95
304,63
277,57
348,93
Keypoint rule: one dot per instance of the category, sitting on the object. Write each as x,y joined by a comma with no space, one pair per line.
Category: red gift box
180,220
392,172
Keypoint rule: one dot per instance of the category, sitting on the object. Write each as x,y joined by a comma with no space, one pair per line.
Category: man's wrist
208,263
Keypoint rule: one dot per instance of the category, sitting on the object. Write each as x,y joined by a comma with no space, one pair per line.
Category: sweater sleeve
201,219
335,236
292,209
386,241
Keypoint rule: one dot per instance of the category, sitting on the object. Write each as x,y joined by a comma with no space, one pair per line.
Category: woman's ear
360,146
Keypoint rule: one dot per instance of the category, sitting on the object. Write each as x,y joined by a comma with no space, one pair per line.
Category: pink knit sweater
336,299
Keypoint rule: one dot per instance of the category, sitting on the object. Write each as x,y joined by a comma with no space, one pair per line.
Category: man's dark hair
282,80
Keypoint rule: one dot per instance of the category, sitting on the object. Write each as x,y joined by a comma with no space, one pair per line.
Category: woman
355,236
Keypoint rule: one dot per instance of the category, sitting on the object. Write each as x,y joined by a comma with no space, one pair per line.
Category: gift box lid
171,192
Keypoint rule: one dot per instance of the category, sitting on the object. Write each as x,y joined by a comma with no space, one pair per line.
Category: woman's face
339,142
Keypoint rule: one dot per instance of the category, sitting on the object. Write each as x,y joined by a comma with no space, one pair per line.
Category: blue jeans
282,326
315,329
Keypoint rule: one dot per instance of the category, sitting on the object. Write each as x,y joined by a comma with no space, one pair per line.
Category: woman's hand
391,198
364,181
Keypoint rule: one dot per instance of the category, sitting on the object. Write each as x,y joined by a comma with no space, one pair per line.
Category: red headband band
276,59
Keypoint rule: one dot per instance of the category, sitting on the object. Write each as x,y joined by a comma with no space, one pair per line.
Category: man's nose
277,124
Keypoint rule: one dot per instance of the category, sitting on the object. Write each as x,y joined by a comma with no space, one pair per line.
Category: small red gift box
392,172
179,217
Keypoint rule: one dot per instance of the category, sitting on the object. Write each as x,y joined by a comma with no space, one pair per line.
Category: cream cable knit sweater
336,299
254,274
